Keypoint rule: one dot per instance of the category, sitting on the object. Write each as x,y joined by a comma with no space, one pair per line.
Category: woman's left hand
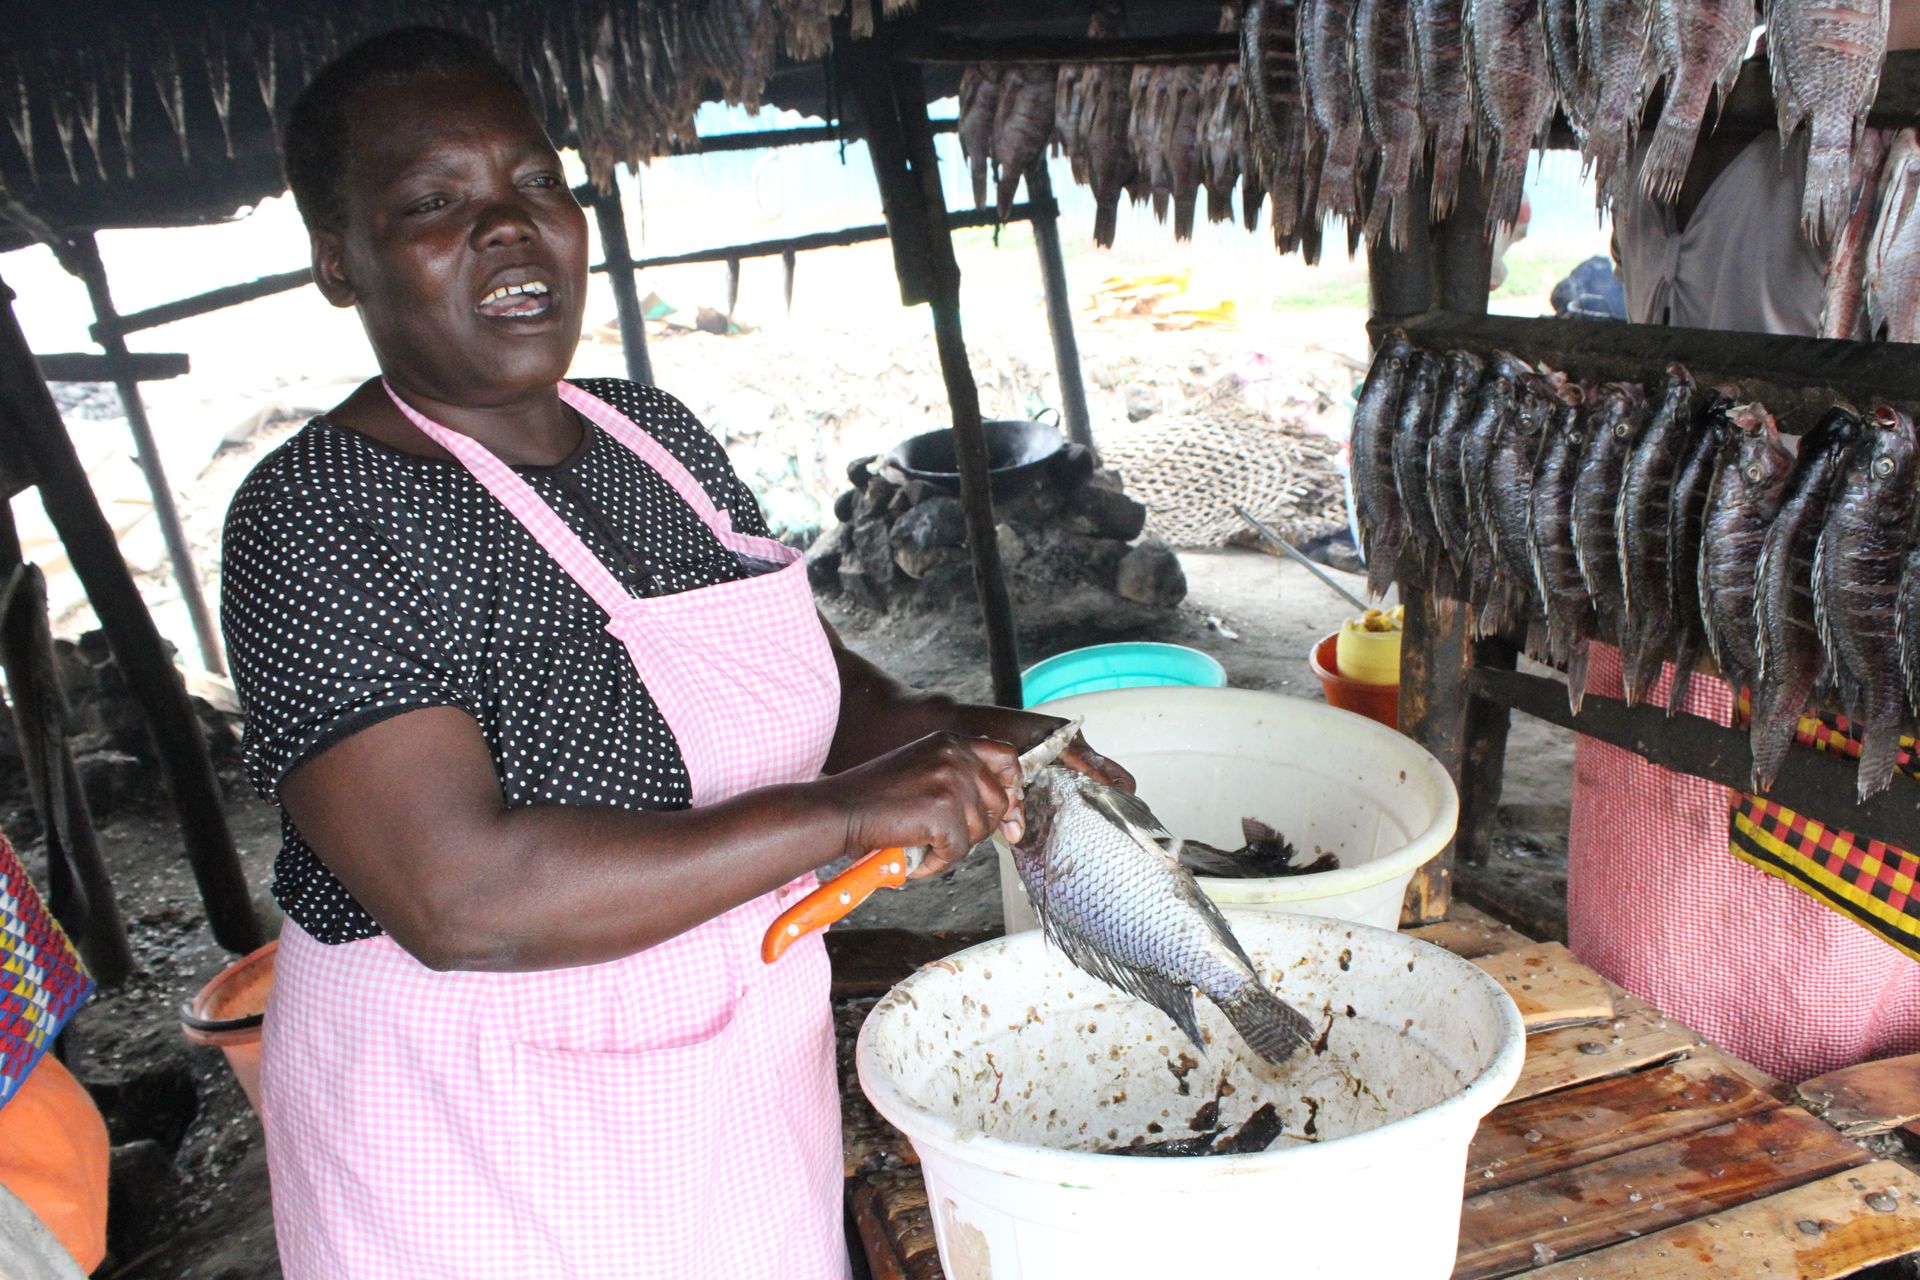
1023,729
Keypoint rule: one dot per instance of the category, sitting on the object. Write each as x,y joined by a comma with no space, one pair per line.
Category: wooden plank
1832,1227
1818,784
896,1230
1867,1099
1470,933
87,366
200,304
1646,1190
1797,378
1539,1136
848,236
1551,988
1639,1036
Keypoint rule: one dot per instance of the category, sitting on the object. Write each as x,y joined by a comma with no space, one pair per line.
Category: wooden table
1631,1149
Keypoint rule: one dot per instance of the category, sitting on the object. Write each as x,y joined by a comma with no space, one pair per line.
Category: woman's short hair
317,138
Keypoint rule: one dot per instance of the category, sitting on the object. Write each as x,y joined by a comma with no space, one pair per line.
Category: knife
886,868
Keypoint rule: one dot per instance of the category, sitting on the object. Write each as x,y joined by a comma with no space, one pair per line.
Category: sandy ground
198,1207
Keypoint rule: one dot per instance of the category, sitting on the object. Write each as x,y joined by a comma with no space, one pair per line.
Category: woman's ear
330,268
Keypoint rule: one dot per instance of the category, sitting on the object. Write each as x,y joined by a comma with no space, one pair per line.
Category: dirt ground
190,1195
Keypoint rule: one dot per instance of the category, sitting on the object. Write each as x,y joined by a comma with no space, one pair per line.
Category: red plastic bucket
228,1012
1375,701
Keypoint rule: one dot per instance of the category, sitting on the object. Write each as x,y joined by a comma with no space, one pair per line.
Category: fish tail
1446,176
979,183
1879,752
1183,212
1577,674
1382,564
1106,219
1668,156
1682,676
1824,204
1271,1027
1509,180
1776,715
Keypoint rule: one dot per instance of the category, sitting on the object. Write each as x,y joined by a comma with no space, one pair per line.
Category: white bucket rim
1485,1091
1420,849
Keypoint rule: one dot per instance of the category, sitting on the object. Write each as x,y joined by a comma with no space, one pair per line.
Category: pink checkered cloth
672,1114
1657,903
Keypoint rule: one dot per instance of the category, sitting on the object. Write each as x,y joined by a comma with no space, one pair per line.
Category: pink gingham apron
672,1114
1657,903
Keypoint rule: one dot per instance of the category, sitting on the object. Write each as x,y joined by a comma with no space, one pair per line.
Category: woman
546,714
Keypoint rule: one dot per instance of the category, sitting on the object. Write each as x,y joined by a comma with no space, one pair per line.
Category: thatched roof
163,112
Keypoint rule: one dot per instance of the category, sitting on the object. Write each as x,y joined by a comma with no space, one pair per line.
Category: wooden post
611,214
33,427
1053,273
85,254
80,891
893,104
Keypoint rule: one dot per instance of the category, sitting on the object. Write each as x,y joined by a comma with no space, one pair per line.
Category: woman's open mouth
516,301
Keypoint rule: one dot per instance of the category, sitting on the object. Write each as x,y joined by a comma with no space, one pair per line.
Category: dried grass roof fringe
621,79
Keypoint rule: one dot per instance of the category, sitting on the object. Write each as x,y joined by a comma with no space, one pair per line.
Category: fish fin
1254,831
1707,627
1175,999
1577,673
1846,689
1130,814
1668,156
1271,1027
1689,649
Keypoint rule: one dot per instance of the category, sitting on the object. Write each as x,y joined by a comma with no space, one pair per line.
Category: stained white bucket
1326,779
1011,1071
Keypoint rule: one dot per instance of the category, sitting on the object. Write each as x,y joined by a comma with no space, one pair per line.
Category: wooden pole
1053,273
93,273
611,214
892,100
28,417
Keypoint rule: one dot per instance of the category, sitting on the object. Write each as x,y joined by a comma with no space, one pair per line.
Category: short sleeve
671,423
329,628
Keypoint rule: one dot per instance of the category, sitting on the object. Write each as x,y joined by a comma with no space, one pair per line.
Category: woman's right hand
944,791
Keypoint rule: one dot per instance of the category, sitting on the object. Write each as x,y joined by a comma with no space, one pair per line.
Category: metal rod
93,272
1053,274
611,214
32,425
1301,556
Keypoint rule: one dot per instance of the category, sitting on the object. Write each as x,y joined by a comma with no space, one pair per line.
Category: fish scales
1444,95
1843,304
979,98
1412,442
1642,523
1508,57
1106,882
1700,43
1691,488
1376,502
1556,573
1574,83
1276,113
1507,495
1333,101
1890,272
1612,430
1790,659
1389,89
1857,564
1618,35
1022,123
1106,118
1497,400
1746,494
1825,56
1446,495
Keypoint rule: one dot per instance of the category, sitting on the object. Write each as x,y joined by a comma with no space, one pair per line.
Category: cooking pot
1018,454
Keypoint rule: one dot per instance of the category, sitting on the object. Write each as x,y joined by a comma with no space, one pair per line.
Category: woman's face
463,248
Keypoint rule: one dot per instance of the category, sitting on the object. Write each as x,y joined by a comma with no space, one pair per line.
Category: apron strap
671,469
526,506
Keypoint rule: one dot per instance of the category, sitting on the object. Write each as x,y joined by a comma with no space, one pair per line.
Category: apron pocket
617,1155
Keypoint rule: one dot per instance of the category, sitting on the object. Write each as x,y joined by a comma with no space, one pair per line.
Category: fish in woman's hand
1376,501
1641,526
1791,661
1556,574
1105,880
1686,522
1745,497
1856,584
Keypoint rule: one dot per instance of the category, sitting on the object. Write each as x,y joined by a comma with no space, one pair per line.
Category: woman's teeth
528,299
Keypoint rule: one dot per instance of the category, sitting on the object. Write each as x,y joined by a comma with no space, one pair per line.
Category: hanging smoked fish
1445,94
1182,144
1276,120
1826,60
221,83
1700,43
1111,167
173,94
1508,56
20,120
1618,34
119,83
61,106
979,99
1843,306
265,72
1388,76
1332,101
1022,121
90,116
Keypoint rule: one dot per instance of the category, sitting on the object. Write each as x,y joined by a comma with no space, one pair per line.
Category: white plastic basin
1326,779
1012,1071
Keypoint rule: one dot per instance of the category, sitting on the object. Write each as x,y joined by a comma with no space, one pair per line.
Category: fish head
1888,449
1464,370
1762,459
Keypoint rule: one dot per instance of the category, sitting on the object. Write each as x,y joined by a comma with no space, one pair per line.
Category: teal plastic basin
1127,665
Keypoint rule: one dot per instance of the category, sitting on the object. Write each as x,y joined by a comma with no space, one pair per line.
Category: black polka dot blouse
359,582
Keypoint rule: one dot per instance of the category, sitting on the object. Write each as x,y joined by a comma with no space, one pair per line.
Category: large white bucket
1328,780
1011,1071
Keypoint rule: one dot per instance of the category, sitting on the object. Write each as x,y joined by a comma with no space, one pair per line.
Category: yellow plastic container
1368,649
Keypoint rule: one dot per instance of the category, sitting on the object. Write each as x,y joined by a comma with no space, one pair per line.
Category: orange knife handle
881,869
